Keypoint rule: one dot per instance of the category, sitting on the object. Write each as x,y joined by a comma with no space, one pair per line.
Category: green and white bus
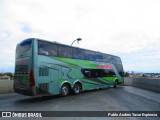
49,68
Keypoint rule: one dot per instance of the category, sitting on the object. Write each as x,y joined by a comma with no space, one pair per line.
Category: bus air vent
43,71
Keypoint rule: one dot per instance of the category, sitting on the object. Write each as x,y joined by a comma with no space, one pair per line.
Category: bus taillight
32,81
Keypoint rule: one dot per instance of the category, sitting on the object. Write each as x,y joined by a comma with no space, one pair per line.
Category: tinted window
119,68
93,73
121,73
24,46
113,59
87,73
109,73
106,58
89,55
118,60
46,48
98,57
65,51
78,53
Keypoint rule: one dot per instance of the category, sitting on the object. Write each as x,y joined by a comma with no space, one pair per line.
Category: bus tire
65,89
115,83
77,88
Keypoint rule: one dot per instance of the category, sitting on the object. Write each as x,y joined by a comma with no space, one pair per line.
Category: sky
129,29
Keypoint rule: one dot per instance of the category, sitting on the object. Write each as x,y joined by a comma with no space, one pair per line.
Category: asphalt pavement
124,98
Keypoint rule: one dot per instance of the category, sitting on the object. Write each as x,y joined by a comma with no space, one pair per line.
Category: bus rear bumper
31,91
26,91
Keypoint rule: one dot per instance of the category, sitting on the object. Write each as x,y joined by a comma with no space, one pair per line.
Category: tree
9,74
126,74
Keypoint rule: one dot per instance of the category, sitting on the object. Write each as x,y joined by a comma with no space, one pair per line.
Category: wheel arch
78,82
116,80
65,83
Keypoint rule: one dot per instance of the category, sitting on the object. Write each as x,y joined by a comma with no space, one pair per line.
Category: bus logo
6,114
104,66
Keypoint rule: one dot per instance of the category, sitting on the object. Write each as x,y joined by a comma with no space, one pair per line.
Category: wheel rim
115,84
64,90
77,89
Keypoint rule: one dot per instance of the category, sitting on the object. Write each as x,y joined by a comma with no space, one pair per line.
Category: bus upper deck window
42,49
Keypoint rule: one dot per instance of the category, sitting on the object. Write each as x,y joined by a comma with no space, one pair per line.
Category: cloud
26,28
126,28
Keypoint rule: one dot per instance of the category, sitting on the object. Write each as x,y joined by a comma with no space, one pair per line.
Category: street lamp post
78,39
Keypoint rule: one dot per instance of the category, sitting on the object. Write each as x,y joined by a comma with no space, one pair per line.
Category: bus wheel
115,84
76,88
65,90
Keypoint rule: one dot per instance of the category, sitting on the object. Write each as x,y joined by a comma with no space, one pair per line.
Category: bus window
52,49
24,46
65,51
89,55
42,48
78,53
98,57
94,73
113,59
46,48
86,73
109,73
106,58
118,60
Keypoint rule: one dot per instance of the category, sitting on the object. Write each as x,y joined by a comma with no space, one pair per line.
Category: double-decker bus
49,68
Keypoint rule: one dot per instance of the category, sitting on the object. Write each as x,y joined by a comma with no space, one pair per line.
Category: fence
6,86
145,83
